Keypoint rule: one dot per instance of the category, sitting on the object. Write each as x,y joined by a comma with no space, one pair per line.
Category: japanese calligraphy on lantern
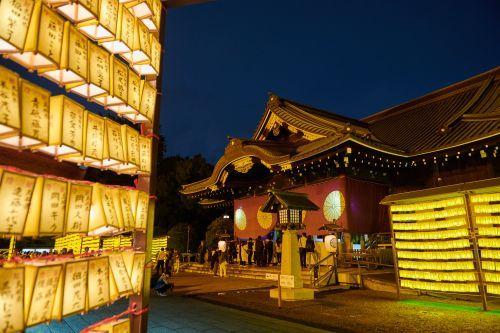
126,207
108,16
41,286
50,34
92,5
120,274
78,52
115,140
53,210
120,79
155,54
148,101
108,206
35,111
11,299
15,20
72,124
133,153
9,100
80,199
145,153
141,214
134,90
144,40
75,287
128,23
137,273
95,136
15,195
156,6
98,282
99,66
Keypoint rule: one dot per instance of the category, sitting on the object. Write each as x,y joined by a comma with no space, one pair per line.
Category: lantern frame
153,22
142,9
122,42
97,29
151,67
141,50
133,98
118,90
8,45
86,157
111,155
78,11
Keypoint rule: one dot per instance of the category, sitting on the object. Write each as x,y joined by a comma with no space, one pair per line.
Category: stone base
293,294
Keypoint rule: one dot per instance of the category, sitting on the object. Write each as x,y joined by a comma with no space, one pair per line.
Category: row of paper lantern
50,290
34,205
30,118
59,52
77,243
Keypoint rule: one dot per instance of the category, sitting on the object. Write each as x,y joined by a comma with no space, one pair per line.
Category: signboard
272,276
287,281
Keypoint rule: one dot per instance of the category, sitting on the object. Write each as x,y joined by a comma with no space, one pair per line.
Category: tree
178,237
218,227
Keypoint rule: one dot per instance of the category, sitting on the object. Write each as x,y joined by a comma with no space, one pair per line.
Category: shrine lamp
78,11
43,45
331,240
15,23
12,298
93,140
153,22
104,27
98,75
135,263
147,105
113,152
74,59
34,116
131,109
289,206
153,66
10,113
66,128
16,194
141,48
124,39
104,219
118,93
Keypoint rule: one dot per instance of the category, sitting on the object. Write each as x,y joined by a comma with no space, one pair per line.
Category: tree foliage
218,226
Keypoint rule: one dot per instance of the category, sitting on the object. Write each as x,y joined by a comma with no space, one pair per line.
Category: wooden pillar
395,258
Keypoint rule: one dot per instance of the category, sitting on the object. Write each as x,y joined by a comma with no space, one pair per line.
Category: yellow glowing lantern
130,110
16,191
120,284
78,212
119,85
98,294
152,67
141,9
126,209
16,20
74,59
78,11
135,262
132,143
53,208
141,49
331,243
66,119
103,28
12,299
43,45
141,213
41,284
113,153
93,137
74,291
124,39
115,326
98,78
148,101
153,23
104,219
333,206
145,147
10,111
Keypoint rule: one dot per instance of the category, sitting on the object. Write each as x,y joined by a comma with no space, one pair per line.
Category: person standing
278,251
223,263
177,261
302,249
201,253
259,251
269,251
310,250
160,261
233,252
244,253
250,250
214,264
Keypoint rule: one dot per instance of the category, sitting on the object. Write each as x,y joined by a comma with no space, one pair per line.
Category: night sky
354,58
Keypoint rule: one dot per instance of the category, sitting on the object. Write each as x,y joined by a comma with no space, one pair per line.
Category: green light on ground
447,306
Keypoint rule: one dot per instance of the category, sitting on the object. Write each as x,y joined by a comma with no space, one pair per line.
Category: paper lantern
145,147
148,101
53,208
104,219
331,243
115,326
16,18
43,45
141,213
132,143
113,153
78,212
66,125
34,118
126,209
74,59
221,245
10,110
74,296
12,299
119,278
94,133
131,109
135,263
103,28
153,23
99,274
152,67
119,85
141,49
16,192
41,284
124,39
141,9
78,11
98,78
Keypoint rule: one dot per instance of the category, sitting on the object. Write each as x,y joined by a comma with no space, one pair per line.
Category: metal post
477,259
279,290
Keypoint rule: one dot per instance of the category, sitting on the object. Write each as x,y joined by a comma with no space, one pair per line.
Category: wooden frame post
395,257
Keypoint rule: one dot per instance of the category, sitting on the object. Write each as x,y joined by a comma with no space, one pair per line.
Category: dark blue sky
350,57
